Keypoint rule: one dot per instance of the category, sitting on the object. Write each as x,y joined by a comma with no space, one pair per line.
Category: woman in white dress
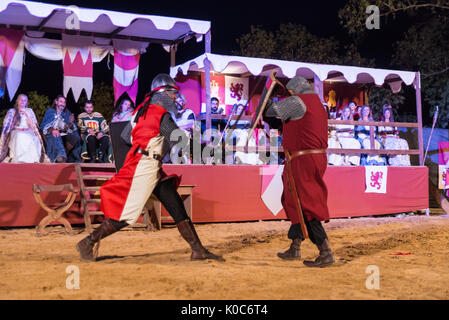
362,133
390,140
345,136
20,141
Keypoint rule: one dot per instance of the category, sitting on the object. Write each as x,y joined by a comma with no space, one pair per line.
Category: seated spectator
355,111
94,131
217,125
215,106
61,133
20,141
362,133
334,159
390,139
240,136
124,111
184,117
185,120
346,138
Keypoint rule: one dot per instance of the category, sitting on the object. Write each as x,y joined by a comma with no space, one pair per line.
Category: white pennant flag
272,187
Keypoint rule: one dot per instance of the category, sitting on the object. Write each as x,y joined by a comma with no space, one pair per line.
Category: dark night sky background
229,20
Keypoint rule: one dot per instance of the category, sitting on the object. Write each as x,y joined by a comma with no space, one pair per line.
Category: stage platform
223,193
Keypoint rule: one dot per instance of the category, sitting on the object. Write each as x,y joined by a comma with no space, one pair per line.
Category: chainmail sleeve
167,127
291,108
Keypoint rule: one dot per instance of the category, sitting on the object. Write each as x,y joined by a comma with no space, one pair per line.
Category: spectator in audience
346,138
61,133
362,133
240,136
215,106
355,111
390,139
20,140
124,111
184,117
334,159
94,130
185,120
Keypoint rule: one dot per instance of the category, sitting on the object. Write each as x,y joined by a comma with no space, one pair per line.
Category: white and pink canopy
38,16
289,69
88,35
319,73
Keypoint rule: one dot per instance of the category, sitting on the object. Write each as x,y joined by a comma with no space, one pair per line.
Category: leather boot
294,252
187,231
326,257
86,246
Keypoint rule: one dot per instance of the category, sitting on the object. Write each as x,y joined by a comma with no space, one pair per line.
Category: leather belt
304,152
146,153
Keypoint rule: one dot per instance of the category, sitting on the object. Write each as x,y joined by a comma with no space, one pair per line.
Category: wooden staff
269,86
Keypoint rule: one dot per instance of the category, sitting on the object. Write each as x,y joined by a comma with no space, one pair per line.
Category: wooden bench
185,191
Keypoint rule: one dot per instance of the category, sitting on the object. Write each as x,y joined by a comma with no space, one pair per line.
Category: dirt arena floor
410,255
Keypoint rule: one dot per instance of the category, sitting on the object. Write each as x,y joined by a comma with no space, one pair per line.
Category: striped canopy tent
108,30
318,73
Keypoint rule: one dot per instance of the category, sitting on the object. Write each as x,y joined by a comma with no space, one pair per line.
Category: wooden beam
172,56
118,30
375,123
88,33
330,150
45,20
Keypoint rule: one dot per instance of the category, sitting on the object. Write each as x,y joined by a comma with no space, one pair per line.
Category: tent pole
419,115
207,84
318,86
172,56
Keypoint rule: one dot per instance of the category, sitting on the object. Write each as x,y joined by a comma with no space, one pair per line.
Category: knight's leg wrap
86,246
188,232
166,192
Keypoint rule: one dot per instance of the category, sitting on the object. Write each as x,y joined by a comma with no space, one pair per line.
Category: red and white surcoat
124,196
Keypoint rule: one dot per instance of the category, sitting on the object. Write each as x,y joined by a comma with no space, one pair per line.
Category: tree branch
425,76
414,6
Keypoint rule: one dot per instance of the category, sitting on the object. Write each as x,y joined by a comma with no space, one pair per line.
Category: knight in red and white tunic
124,196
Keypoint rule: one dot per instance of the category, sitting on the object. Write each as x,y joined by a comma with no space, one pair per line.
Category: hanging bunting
77,65
11,60
126,71
126,67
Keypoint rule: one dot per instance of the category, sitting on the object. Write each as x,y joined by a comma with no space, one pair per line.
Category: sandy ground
134,264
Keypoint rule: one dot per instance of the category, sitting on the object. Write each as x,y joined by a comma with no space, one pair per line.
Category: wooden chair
54,211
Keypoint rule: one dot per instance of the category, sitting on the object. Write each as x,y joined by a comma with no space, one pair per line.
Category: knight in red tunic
124,196
304,138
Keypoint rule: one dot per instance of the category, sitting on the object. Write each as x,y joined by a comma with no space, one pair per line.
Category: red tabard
115,191
309,132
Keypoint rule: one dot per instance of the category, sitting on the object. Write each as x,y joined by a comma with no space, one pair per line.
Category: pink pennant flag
126,71
11,59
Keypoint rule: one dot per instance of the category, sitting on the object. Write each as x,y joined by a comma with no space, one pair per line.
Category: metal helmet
299,85
163,82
